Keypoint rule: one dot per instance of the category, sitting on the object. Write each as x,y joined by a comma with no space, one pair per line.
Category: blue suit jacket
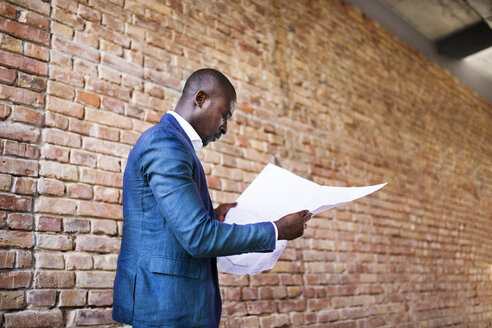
167,274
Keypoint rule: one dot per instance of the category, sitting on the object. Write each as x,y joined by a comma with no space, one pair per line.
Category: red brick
66,76
83,158
129,137
7,75
26,115
25,186
24,32
54,120
108,118
21,149
101,178
34,19
101,210
62,30
260,307
122,65
15,279
54,242
31,318
134,111
78,261
113,105
113,23
58,171
87,98
33,82
15,203
10,44
107,133
19,132
60,59
162,79
65,107
91,317
55,153
108,163
55,205
49,223
73,298
60,90
35,51
101,297
54,279
7,259
5,182
76,225
104,194
75,49
51,187
4,110
38,6
108,89
105,262
18,167
23,259
248,294
107,227
22,96
78,190
7,11
68,17
23,63
41,298
292,306
89,13
95,279
45,260
11,300
81,127
100,244
85,67
20,221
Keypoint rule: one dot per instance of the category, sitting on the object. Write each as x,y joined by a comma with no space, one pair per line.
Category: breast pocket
175,267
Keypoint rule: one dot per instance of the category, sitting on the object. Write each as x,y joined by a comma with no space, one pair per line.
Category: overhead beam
466,42
463,70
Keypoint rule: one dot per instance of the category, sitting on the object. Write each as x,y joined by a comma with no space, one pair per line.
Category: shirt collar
196,141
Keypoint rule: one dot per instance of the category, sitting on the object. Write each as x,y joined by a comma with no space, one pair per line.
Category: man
167,274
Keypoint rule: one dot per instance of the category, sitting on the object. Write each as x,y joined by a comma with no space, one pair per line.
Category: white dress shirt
197,143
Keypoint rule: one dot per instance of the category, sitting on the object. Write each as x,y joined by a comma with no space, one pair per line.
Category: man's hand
292,225
222,209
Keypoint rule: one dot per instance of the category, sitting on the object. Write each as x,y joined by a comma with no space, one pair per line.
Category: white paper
276,192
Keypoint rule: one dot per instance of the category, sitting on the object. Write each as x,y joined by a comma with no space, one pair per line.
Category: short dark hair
208,80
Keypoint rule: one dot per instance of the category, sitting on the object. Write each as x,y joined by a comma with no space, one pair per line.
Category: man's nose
223,128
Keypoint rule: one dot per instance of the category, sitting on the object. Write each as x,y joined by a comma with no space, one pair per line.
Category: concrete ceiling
457,34
441,19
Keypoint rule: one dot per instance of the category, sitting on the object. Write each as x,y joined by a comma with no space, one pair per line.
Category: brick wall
323,91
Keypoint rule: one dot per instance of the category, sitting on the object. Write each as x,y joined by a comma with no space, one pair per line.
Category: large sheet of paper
276,192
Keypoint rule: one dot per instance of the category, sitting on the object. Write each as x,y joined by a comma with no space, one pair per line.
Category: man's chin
210,140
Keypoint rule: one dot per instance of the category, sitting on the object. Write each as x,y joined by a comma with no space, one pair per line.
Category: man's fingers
306,215
231,205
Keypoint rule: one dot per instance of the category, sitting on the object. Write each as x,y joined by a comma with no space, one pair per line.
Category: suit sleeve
167,167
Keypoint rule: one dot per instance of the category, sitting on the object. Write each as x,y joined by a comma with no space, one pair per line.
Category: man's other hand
222,209
292,225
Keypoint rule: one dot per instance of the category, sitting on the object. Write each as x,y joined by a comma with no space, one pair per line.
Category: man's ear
200,98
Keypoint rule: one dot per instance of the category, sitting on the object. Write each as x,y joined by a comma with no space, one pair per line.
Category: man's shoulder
160,132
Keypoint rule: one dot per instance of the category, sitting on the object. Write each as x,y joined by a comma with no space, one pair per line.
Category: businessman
166,274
